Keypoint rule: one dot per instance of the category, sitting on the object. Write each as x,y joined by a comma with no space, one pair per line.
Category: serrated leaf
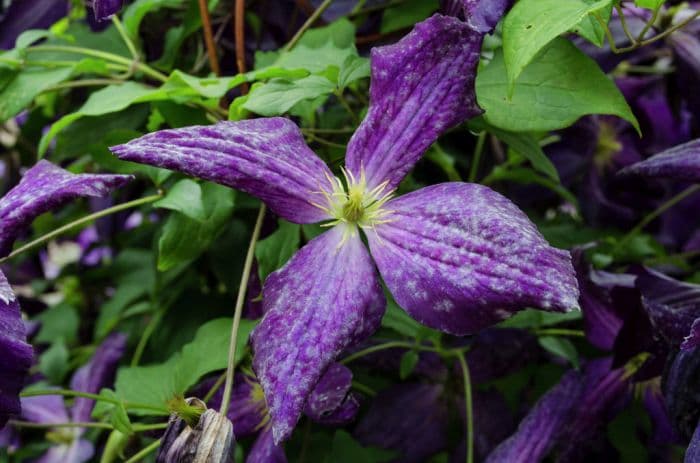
550,93
561,347
649,4
185,197
22,87
532,24
275,250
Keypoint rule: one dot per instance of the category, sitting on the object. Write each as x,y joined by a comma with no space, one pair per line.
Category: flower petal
420,86
693,338
43,188
15,354
97,373
28,14
483,15
681,383
45,409
325,299
267,158
537,432
459,257
672,305
331,402
681,162
411,418
103,9
79,451
265,450
692,454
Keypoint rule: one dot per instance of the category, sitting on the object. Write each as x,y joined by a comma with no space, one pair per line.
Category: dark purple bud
331,401
104,9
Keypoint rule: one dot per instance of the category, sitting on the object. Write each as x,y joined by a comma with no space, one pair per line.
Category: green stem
649,23
83,83
27,424
323,141
220,380
560,332
623,23
476,159
127,40
82,221
87,395
467,405
103,55
327,131
240,301
387,345
364,389
653,215
346,105
143,341
144,452
309,22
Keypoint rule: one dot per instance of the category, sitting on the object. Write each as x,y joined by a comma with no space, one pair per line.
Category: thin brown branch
239,32
209,37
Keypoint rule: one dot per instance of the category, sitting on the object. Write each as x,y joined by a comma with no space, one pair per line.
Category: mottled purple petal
15,354
483,15
537,432
265,450
459,257
266,157
96,374
325,299
23,15
420,86
410,418
45,187
692,454
693,339
681,162
45,409
79,451
103,9
331,402
672,305
662,427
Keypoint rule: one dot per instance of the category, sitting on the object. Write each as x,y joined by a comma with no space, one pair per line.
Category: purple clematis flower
104,9
22,15
43,187
681,162
91,378
456,256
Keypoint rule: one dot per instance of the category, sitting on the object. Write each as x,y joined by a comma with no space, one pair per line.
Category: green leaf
532,24
649,4
155,385
409,360
120,420
275,250
561,347
114,447
59,321
523,143
134,13
53,363
185,197
278,96
354,68
589,27
532,318
345,449
407,14
24,86
550,94
184,239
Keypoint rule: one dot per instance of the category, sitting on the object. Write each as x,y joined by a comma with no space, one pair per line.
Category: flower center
352,202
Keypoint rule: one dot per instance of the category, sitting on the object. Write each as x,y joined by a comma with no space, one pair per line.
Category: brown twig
239,33
209,37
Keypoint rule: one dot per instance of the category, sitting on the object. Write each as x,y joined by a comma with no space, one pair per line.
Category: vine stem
149,71
467,405
127,40
144,452
309,22
388,345
137,427
87,395
653,215
82,221
239,35
247,266
209,37
476,160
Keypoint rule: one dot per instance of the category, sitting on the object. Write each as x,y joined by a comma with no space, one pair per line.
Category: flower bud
209,441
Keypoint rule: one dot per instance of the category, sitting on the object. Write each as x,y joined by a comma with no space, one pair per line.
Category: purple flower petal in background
483,15
662,427
681,162
325,299
331,401
103,9
23,15
43,188
411,418
498,352
537,432
680,384
15,354
45,409
420,86
692,454
692,340
97,373
672,305
459,257
265,450
79,451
